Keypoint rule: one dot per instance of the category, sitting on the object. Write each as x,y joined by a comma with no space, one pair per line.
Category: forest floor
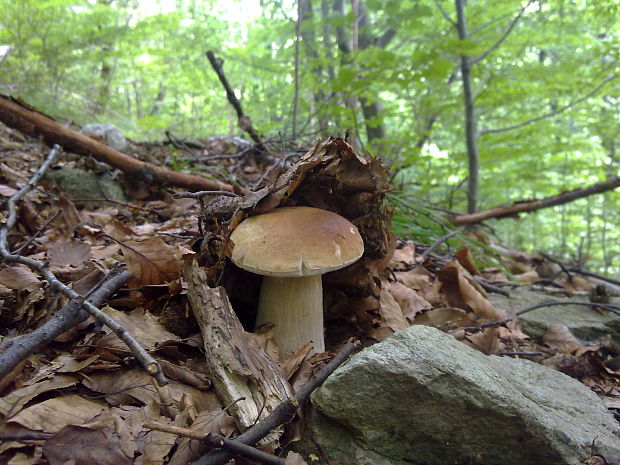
93,384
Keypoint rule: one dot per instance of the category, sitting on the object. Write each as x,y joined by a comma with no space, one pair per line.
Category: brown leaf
446,317
390,311
293,458
84,446
144,327
461,292
486,341
19,277
13,402
409,300
69,253
151,261
466,259
559,337
53,414
404,257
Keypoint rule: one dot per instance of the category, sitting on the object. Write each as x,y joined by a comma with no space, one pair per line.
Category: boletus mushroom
292,247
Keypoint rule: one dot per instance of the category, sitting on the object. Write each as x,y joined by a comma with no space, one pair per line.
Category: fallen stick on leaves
151,366
283,413
216,440
16,349
33,123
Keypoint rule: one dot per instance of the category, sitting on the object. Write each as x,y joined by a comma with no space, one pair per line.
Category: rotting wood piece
238,367
33,123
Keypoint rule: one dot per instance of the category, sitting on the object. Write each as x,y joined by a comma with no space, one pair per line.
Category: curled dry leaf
411,303
559,337
390,310
466,259
462,292
151,261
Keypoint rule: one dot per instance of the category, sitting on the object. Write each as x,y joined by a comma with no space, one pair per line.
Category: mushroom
292,247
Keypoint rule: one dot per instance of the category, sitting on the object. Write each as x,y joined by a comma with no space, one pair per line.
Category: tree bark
470,117
33,123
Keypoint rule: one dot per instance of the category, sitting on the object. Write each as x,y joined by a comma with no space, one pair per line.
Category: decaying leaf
559,337
411,303
390,311
151,261
462,292
293,458
84,446
19,277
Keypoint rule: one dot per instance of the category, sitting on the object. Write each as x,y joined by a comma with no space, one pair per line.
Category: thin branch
445,14
216,440
504,36
551,113
150,364
436,244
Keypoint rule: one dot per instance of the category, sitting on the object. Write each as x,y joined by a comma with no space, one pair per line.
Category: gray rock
584,323
422,397
108,134
80,184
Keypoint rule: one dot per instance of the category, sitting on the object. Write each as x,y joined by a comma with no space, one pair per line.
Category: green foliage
142,66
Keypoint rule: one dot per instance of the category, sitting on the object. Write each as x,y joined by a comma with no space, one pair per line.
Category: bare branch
551,113
149,363
506,33
445,14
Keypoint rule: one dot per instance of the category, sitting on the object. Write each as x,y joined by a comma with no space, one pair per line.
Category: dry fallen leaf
390,311
409,300
151,261
19,277
462,293
84,446
293,458
559,337
68,253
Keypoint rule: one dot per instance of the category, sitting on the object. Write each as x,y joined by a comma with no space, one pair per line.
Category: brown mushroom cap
295,241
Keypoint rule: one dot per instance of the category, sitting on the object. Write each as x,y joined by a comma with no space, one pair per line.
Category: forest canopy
473,104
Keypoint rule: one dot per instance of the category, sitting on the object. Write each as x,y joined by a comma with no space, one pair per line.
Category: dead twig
283,413
216,440
491,324
436,244
149,363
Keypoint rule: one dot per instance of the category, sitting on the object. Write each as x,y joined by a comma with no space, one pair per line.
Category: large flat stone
421,397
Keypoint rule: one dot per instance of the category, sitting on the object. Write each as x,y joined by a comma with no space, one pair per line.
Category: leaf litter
86,395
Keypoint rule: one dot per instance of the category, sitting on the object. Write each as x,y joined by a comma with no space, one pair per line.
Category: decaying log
536,204
34,123
239,369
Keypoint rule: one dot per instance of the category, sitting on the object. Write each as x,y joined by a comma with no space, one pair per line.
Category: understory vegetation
473,104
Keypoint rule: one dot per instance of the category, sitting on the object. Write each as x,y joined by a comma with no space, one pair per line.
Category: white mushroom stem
295,306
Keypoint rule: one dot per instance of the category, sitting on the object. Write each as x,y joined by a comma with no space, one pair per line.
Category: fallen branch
283,412
536,204
33,123
216,440
18,348
150,364
492,324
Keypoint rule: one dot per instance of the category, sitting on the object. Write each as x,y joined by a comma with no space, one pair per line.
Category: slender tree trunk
470,118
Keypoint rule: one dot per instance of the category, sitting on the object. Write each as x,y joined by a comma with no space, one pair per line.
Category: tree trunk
470,118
